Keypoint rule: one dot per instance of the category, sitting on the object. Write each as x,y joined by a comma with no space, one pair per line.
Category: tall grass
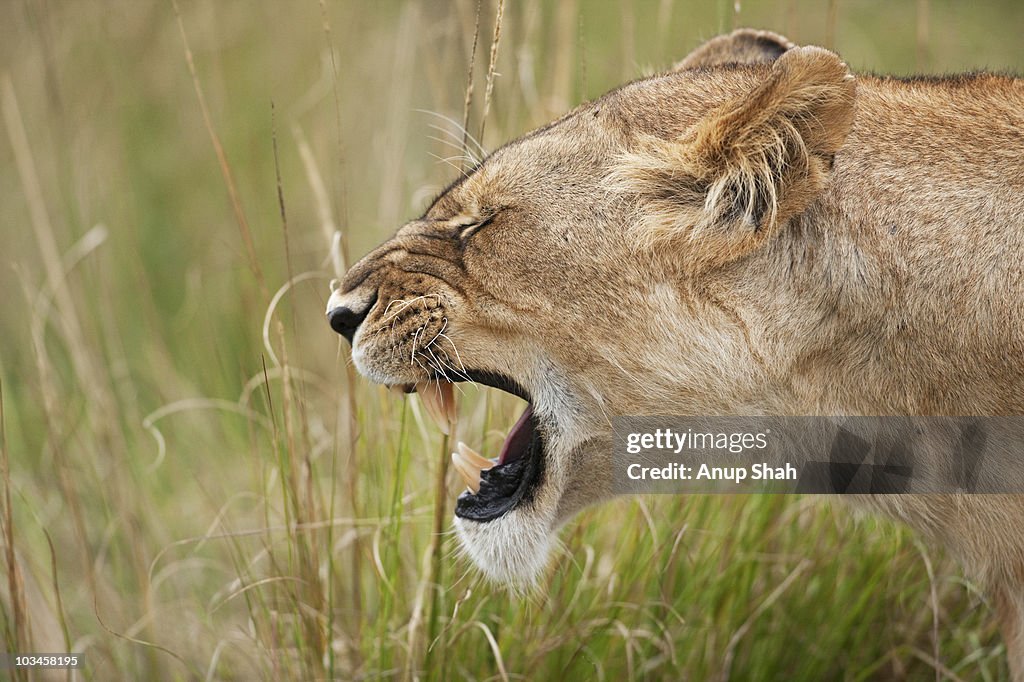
195,483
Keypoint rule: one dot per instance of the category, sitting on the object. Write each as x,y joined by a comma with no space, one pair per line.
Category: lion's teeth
470,472
450,409
470,465
475,457
439,401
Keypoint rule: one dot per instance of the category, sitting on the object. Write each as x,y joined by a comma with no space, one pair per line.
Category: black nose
345,321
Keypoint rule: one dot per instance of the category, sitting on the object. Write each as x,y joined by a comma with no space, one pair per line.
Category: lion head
585,267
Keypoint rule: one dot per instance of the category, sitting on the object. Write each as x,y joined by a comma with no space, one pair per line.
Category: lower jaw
504,487
510,551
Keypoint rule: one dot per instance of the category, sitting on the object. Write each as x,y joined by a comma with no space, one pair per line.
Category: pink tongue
518,438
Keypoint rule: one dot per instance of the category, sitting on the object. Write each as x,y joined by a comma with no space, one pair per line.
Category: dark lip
492,380
504,486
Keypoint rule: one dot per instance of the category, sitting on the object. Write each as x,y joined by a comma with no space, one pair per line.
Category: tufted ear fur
742,46
747,167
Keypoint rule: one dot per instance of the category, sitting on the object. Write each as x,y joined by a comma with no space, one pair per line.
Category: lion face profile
755,232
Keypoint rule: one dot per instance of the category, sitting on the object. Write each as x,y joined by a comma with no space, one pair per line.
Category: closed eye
467,229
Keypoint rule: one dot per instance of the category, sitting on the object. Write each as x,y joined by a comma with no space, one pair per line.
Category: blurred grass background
195,487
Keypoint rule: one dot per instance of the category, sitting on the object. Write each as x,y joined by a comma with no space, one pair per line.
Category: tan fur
767,152
742,46
730,239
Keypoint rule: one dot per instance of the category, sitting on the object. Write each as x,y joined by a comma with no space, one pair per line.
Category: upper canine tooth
470,472
473,456
450,408
439,401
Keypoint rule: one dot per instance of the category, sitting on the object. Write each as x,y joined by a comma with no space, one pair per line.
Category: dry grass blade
280,197
933,602
339,255
222,159
332,234
730,649
412,643
434,576
342,235
58,598
141,642
33,191
67,317
468,100
922,33
92,381
831,24
16,637
491,65
495,649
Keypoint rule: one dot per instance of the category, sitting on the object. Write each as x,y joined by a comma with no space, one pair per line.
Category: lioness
755,232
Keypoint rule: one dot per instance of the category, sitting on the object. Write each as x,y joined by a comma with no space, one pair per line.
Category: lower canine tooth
439,401
470,472
475,457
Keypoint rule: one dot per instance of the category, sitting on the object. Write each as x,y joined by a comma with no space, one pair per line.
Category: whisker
388,307
459,127
440,369
405,303
462,171
465,153
444,325
457,356
459,372
458,157
415,336
456,138
441,365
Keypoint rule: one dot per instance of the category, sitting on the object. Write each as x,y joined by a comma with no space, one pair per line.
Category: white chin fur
511,550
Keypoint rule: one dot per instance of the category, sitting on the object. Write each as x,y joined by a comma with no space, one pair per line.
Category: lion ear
744,169
742,46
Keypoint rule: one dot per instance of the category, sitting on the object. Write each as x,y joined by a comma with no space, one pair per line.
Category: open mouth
494,486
